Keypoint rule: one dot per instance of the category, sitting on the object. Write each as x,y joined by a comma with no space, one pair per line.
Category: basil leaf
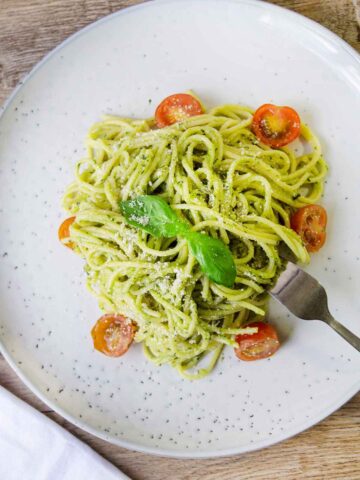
214,258
152,214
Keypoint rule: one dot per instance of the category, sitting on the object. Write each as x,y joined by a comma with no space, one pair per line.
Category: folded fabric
33,447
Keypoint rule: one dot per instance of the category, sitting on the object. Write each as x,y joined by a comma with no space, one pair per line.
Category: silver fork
303,296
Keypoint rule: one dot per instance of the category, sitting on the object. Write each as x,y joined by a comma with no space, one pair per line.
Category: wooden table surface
330,450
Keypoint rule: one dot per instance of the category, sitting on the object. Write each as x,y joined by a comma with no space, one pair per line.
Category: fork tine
301,293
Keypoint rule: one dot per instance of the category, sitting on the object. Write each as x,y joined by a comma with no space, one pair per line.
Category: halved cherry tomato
175,108
310,223
112,334
259,345
64,231
276,126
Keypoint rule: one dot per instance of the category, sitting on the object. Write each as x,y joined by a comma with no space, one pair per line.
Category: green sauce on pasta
211,170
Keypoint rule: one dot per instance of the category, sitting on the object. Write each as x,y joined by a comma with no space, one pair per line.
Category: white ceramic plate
229,51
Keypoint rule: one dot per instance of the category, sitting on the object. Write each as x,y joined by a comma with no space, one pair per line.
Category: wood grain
331,450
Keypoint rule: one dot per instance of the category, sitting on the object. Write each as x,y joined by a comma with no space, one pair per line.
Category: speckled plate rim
310,25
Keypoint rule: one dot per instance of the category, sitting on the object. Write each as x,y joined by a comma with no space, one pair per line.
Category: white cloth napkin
33,447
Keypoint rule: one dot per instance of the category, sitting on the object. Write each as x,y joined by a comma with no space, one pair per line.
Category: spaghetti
212,170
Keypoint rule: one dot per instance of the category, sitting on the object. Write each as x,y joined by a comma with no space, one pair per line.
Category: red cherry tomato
64,231
175,108
276,126
310,223
259,345
112,334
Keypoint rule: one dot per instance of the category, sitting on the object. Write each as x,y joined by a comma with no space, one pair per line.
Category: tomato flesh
113,334
176,108
64,232
258,345
309,223
276,126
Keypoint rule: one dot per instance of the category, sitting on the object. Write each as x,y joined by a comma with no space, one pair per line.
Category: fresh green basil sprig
152,214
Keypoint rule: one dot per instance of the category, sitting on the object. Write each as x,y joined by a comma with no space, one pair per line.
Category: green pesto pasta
214,172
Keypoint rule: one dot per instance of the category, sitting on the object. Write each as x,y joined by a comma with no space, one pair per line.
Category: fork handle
350,337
